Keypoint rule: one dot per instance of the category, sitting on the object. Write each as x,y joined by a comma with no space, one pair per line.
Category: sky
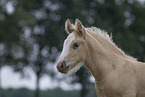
10,79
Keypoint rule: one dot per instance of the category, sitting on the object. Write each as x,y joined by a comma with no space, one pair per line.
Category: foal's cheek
71,56
74,57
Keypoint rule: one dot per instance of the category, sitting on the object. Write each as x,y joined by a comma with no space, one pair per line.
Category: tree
10,32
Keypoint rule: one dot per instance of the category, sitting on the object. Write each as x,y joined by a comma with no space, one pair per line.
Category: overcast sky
9,79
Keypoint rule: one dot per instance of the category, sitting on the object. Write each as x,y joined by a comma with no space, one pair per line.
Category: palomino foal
115,73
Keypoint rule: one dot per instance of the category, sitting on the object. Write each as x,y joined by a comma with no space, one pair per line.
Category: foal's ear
69,27
80,28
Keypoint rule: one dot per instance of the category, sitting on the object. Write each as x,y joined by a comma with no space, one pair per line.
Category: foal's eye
76,45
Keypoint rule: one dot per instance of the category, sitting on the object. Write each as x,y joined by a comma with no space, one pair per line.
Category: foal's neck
100,59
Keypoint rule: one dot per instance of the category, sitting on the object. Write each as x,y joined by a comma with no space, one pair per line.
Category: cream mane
100,32
107,38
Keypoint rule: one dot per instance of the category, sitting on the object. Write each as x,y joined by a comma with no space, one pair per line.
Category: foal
115,73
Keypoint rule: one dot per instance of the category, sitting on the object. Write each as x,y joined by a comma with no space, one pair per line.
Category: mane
103,34
100,32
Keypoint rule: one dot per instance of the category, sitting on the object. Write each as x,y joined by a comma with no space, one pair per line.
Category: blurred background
32,34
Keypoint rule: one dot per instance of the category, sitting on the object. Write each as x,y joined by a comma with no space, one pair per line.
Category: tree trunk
37,91
83,92
0,78
0,83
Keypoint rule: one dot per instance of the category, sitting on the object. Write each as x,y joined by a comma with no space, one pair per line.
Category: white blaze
66,46
65,51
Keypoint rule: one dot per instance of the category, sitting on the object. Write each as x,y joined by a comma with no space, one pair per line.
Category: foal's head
74,48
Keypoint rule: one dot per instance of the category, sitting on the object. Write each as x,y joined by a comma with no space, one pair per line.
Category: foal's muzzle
62,67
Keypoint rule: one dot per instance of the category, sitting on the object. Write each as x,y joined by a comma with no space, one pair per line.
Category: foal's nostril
64,62
63,65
